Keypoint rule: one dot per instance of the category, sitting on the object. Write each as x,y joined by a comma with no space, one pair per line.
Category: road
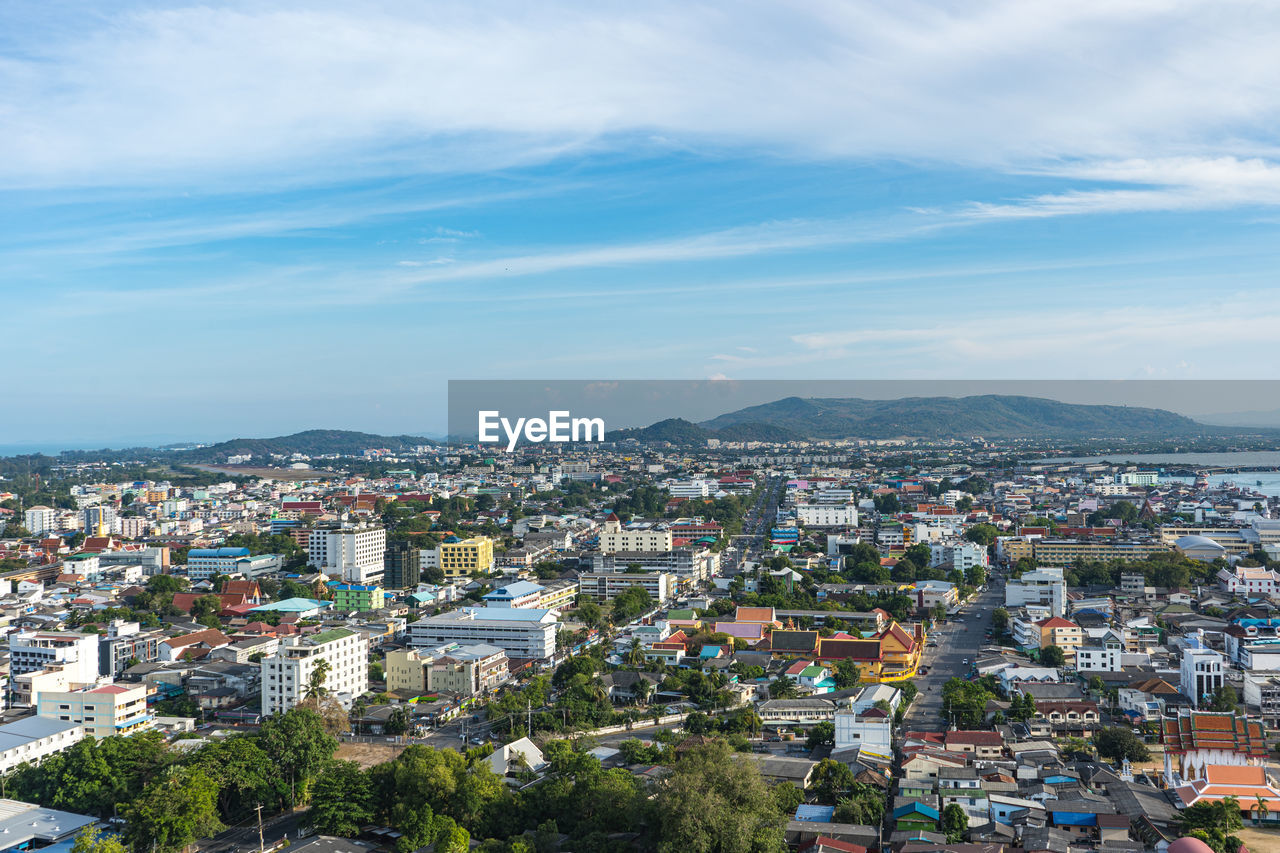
244,838
958,641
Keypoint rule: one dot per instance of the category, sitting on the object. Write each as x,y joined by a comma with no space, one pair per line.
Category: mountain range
988,416
312,442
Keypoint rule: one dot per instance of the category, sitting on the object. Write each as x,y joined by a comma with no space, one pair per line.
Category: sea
1263,482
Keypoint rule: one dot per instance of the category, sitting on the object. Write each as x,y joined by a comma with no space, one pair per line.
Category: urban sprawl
637,646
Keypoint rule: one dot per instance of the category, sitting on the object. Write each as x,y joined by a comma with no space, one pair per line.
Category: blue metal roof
217,552
819,814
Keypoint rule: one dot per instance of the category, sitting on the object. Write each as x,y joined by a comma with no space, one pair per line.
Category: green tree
174,811
589,613
1052,656
983,534
955,823
863,806
242,772
299,746
831,781
1224,698
783,687
92,840
714,803
1118,744
999,620
847,673
341,802
823,733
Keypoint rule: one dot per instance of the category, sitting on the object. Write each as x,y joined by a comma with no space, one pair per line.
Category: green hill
989,416
312,442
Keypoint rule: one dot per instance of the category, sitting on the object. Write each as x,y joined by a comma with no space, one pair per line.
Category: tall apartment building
99,521
522,632
286,675
402,566
40,519
355,554
112,709
465,557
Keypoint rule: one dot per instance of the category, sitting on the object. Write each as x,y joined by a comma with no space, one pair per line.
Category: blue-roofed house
302,608
516,594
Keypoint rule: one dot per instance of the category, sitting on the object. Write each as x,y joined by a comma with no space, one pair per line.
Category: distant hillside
312,442
991,416
673,430
680,431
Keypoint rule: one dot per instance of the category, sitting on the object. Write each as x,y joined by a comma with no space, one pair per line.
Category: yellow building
1062,633
1014,548
900,653
466,557
1065,552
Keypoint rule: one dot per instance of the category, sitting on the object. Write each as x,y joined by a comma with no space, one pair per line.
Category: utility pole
261,844
529,714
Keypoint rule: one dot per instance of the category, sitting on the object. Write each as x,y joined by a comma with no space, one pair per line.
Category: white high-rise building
353,553
40,519
286,675
1044,587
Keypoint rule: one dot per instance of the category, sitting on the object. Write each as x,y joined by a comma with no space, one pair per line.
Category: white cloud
199,94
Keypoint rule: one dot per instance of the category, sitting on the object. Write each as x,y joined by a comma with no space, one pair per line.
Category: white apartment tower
286,675
352,553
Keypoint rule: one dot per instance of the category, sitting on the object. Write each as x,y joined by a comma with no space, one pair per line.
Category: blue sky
223,219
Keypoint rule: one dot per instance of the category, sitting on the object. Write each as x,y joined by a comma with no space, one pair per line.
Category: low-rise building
112,709
33,739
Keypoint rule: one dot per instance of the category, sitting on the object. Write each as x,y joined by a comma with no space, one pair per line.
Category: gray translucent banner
532,411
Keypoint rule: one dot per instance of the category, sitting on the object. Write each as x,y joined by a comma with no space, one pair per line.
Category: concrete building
204,563
959,555
516,594
286,675
31,740
1201,672
606,586
40,520
522,632
1064,552
353,554
124,642
402,566
467,670
827,515
112,709
1044,587
354,597
466,557
75,654
614,538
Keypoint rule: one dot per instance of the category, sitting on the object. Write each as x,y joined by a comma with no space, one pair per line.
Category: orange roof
1229,774
1056,622
754,614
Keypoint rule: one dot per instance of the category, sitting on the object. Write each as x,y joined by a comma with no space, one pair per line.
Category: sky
245,219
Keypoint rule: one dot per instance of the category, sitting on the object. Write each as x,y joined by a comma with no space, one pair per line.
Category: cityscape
875,644
671,427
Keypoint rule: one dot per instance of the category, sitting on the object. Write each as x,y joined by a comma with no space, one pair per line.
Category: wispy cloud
151,93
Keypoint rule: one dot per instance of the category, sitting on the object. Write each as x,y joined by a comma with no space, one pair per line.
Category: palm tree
315,684
635,653
643,690
1261,810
